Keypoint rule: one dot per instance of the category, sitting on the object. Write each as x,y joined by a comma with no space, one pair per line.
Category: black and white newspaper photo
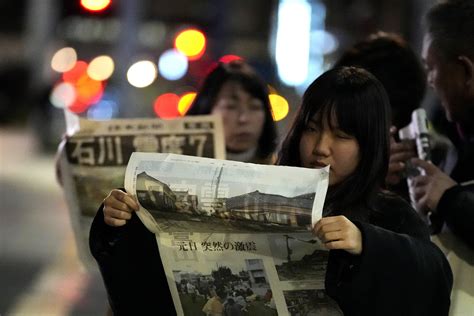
246,274
96,153
235,236
182,193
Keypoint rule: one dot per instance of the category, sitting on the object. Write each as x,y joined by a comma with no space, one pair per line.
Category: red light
95,5
166,106
73,75
78,107
228,58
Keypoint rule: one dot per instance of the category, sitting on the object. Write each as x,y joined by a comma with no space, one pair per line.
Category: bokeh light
101,68
191,42
324,42
95,5
63,95
88,90
103,110
166,106
229,58
64,59
280,107
172,64
142,74
73,75
78,107
185,102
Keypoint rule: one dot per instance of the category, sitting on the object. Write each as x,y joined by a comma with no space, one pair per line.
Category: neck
244,156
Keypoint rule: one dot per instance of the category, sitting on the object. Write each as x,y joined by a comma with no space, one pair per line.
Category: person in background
381,259
235,91
448,54
126,252
394,63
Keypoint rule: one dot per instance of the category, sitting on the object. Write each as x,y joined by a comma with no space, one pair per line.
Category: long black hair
359,104
241,73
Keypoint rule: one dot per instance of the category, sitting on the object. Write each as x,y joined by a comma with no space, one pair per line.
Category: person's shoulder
392,202
392,211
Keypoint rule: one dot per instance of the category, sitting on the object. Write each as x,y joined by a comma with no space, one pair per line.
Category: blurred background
105,59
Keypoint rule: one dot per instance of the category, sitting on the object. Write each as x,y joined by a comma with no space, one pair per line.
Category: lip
318,164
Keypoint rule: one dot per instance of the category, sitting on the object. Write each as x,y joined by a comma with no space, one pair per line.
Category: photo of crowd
225,292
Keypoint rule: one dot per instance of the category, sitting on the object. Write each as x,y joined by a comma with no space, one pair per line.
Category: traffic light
95,5
89,8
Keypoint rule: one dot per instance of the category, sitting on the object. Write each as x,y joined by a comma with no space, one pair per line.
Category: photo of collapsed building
251,212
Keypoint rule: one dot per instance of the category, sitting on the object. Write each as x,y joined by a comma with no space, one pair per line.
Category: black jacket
131,267
456,207
400,272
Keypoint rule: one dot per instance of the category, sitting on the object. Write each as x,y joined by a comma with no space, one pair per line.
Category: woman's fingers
123,197
338,232
118,208
118,214
114,222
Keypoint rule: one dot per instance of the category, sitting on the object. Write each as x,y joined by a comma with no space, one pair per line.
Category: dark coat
456,207
400,272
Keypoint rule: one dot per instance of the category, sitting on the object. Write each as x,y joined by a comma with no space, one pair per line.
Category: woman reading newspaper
127,254
381,259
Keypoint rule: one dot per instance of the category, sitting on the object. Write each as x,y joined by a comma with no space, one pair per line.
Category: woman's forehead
325,115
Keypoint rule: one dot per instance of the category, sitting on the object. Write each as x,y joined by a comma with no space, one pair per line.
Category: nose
243,115
322,146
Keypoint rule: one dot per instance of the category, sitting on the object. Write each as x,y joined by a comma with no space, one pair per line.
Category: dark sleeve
131,267
398,273
456,206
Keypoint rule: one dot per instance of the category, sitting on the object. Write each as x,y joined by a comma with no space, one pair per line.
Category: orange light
166,106
95,5
280,107
228,58
88,90
191,43
185,102
73,75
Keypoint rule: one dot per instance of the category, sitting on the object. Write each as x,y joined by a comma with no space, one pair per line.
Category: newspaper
96,154
233,237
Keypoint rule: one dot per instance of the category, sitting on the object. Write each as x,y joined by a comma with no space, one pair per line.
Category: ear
468,67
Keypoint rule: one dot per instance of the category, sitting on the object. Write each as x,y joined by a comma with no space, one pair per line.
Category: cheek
348,158
305,150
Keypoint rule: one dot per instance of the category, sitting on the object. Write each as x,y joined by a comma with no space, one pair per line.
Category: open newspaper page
96,154
233,237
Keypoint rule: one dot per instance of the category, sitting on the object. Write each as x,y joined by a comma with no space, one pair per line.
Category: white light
64,59
63,95
101,68
172,64
293,41
324,42
142,74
